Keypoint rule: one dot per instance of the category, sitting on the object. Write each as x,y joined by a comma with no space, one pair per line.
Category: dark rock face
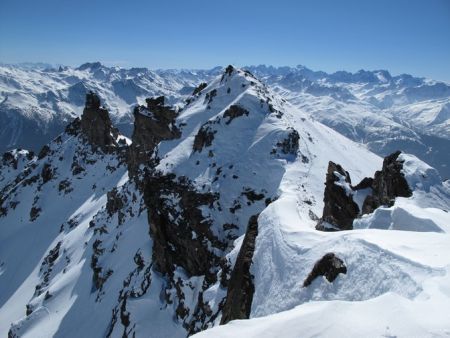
388,184
34,213
366,182
240,286
113,203
339,208
11,159
174,216
43,152
329,266
210,96
96,125
200,87
152,124
233,112
228,71
99,277
46,173
204,137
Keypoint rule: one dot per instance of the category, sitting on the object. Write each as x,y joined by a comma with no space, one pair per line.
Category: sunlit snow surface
383,111
398,278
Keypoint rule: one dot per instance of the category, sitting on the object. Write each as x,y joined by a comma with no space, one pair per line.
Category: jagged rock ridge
96,124
340,208
161,238
153,124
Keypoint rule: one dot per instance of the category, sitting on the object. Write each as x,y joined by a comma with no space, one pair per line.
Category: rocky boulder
233,112
329,266
290,144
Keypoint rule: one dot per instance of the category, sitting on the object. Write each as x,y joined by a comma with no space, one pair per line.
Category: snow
426,210
384,112
397,258
418,174
343,184
388,315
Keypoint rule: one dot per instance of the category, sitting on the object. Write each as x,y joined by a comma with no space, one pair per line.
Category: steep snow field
77,252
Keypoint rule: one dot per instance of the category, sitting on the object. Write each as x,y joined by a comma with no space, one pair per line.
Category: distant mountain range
374,108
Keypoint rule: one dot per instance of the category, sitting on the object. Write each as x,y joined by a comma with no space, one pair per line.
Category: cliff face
240,292
181,233
152,124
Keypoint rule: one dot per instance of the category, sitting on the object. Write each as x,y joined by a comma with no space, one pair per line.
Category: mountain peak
90,65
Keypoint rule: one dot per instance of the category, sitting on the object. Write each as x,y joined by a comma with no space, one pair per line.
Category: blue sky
403,36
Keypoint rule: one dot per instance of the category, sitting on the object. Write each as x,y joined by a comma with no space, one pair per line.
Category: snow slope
77,257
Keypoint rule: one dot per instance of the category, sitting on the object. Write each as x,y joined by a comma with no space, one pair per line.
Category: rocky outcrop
290,144
96,125
228,71
45,150
387,184
73,128
114,202
233,112
203,138
199,88
339,209
152,124
240,286
47,173
329,266
181,234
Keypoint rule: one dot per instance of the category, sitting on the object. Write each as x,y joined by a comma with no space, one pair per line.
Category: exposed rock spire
96,125
388,184
152,124
339,209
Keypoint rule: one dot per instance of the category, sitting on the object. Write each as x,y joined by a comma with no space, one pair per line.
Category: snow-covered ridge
218,218
383,111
